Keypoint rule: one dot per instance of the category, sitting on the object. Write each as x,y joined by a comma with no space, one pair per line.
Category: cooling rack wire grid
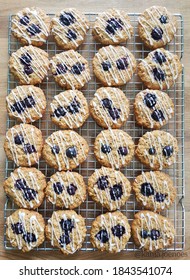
89,209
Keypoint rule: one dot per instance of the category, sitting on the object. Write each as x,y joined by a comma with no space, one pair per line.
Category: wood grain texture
12,6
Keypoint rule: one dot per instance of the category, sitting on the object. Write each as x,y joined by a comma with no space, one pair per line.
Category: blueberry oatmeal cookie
154,190
70,69
110,232
151,231
26,103
25,187
153,108
69,28
65,150
23,144
109,187
66,189
109,107
157,27
157,149
31,26
159,70
29,65
114,65
112,27
114,148
69,109
25,229
66,230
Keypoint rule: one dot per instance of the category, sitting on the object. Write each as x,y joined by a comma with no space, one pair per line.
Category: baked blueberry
25,59
147,189
159,57
118,230
61,69
123,151
157,33
33,29
55,149
122,63
24,20
154,234
163,19
64,240
144,233
113,25
71,189
106,65
107,103
20,184
71,152
114,113
160,197
102,236
29,149
60,112
67,225
150,100
77,68
157,115
29,101
17,228
106,149
74,107
71,35
67,18
152,151
28,69
103,182
159,75
29,237
18,139
58,188
167,151
19,107
29,194
116,192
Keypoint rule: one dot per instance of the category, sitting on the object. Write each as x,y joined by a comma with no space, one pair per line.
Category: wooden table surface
12,6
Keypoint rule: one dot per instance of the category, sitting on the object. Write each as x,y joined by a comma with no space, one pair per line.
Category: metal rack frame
89,209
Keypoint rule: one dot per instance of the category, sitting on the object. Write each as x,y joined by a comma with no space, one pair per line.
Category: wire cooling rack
89,209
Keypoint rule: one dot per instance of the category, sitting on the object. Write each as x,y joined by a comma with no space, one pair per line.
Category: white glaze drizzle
20,29
18,96
34,227
75,235
155,22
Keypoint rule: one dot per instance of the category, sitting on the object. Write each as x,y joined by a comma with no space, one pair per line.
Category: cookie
65,150
25,229
70,69
151,231
156,27
26,103
66,189
157,149
110,232
31,26
69,109
69,28
109,187
23,144
154,191
29,65
153,108
114,65
114,148
25,187
159,70
109,107
66,230
112,27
